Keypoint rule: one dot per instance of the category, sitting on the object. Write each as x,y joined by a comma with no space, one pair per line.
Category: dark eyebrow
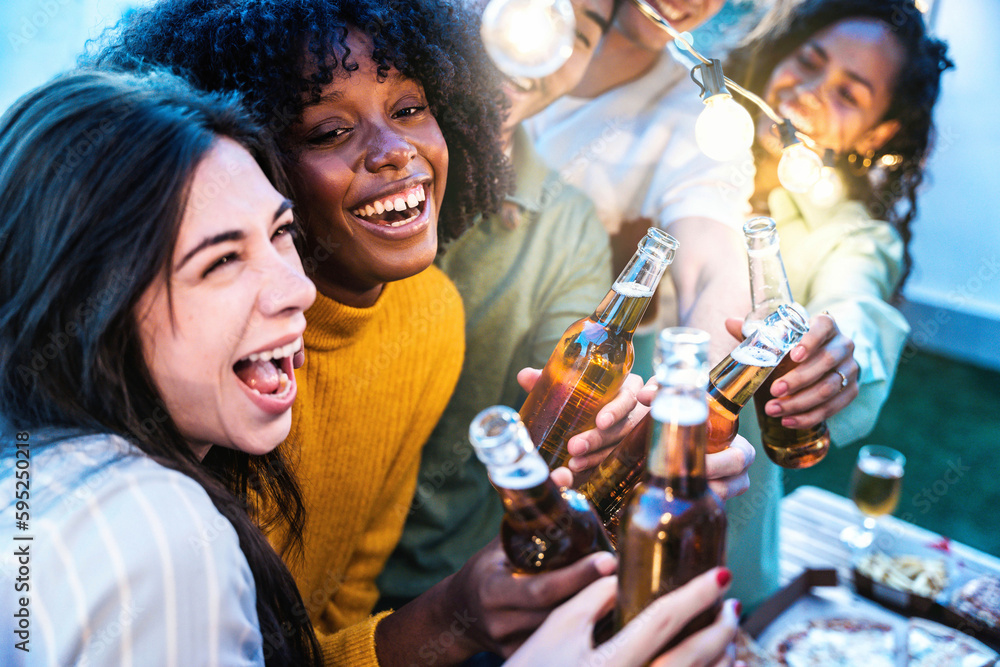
601,22
232,235
854,76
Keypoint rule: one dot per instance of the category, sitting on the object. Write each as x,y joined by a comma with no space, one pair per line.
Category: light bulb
829,189
528,38
724,129
798,168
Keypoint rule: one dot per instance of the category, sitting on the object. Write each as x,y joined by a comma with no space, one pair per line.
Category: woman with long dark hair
130,208
861,78
152,303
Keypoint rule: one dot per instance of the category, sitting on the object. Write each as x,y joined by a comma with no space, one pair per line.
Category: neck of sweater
333,325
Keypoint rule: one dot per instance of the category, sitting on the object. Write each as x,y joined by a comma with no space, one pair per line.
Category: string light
528,38
724,129
829,188
799,168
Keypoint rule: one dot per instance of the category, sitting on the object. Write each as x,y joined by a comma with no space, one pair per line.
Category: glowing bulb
798,168
724,129
829,189
528,38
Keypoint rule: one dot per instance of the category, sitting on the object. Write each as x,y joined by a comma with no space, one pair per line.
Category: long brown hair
95,173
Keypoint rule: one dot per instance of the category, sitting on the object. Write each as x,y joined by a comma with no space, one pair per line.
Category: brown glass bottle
594,356
543,528
731,384
674,527
788,447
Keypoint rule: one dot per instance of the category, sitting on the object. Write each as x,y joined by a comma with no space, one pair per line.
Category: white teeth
400,204
411,200
379,208
421,195
369,210
276,353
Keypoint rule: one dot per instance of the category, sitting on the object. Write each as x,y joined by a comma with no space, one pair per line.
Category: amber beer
674,527
731,384
594,356
544,528
788,447
792,448
876,484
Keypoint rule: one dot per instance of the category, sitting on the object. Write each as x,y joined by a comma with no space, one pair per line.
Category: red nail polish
723,577
738,608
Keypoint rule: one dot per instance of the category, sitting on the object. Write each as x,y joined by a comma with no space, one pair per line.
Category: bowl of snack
910,582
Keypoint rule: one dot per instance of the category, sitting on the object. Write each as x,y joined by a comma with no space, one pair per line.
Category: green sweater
521,288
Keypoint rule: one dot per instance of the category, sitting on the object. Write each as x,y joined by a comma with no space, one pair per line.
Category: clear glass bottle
544,528
674,527
594,356
731,384
788,447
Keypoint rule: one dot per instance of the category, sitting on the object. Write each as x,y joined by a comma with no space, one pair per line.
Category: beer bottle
674,527
731,384
594,356
543,528
788,447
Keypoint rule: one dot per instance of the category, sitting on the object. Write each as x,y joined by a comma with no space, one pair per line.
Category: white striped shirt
129,564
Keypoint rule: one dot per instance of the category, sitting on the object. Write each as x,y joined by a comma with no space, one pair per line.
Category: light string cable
683,42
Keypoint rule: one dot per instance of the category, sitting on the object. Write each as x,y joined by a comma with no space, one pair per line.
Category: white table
811,521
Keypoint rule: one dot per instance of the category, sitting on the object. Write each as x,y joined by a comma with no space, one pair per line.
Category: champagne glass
876,484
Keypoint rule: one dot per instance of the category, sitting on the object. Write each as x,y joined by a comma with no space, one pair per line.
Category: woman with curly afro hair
376,105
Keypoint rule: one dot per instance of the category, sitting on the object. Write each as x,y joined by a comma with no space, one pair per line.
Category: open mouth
394,210
269,373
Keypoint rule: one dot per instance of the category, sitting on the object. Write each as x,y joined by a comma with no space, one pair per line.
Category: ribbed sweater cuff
353,646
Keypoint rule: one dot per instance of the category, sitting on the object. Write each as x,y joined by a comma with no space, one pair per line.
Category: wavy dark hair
96,168
265,49
889,189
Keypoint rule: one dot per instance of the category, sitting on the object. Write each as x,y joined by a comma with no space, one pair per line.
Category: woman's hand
823,383
728,471
485,606
614,420
565,638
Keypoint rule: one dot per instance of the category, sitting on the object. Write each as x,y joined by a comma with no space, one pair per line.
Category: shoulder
128,538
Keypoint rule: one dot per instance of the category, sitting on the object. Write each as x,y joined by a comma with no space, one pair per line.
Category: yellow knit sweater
374,384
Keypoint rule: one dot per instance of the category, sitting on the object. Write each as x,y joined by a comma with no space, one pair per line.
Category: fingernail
604,421
798,353
606,563
774,409
723,577
790,422
779,388
737,608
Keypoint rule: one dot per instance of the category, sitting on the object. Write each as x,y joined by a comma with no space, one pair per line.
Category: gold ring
843,379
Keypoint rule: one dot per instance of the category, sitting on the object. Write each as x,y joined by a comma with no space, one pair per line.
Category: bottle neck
622,308
768,281
677,452
525,487
735,379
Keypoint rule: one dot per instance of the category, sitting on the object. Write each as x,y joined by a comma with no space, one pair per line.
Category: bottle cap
498,436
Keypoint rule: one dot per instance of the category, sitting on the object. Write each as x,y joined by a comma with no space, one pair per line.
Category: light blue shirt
129,563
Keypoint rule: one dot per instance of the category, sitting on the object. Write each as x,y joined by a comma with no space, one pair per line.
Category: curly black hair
917,88
266,50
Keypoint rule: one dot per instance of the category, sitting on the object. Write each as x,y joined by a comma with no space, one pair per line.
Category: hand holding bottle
565,637
614,421
823,383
